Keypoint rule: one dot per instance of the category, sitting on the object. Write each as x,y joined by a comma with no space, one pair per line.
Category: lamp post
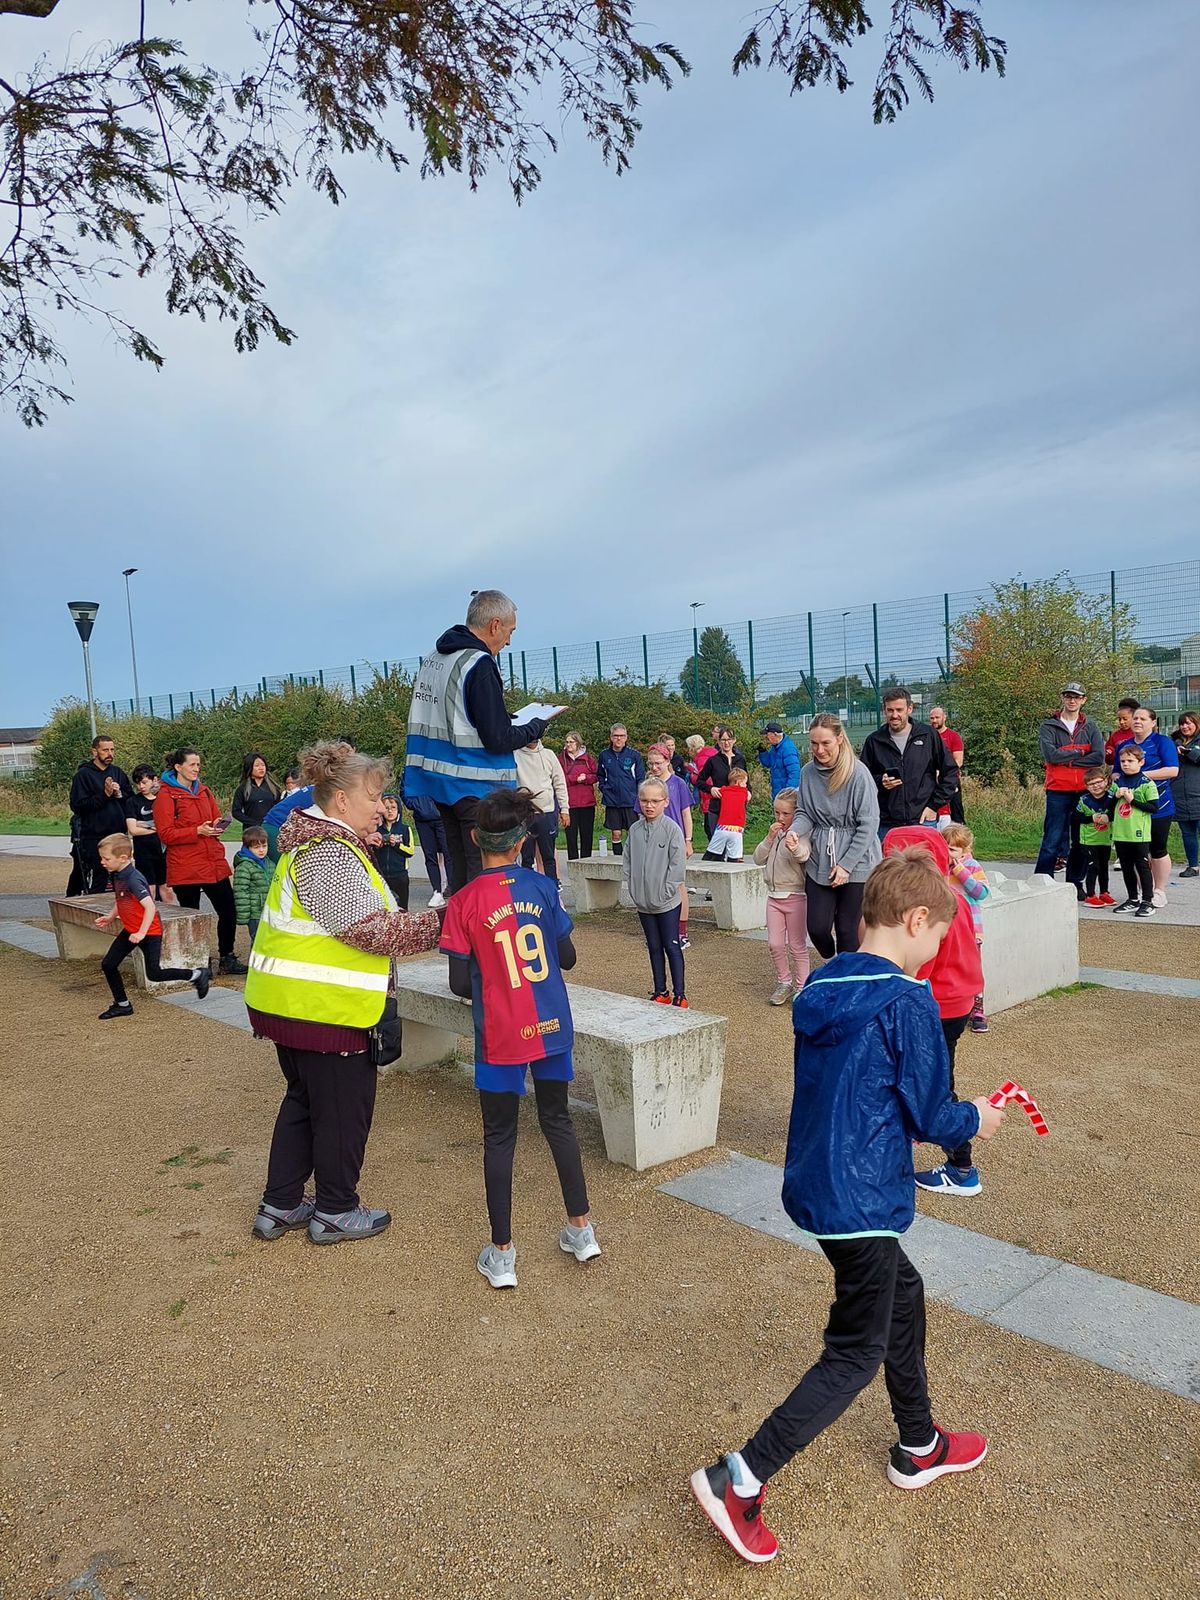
83,615
845,668
127,573
696,604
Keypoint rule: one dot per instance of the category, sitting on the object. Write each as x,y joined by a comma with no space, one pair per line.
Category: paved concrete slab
38,941
1144,982
221,1005
1182,909
25,907
1115,1324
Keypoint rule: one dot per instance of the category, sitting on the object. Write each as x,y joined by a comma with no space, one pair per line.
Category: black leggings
952,1032
463,860
834,912
1135,869
220,898
397,882
151,948
581,831
662,940
1098,856
500,1146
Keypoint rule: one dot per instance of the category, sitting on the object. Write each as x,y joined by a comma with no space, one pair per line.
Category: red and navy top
507,924
131,888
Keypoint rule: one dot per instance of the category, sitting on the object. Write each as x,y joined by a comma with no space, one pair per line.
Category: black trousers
151,948
581,832
952,1032
956,807
1098,857
542,841
75,877
397,882
321,1128
94,876
877,1317
834,914
709,819
220,898
433,844
463,860
1134,860
662,941
500,1148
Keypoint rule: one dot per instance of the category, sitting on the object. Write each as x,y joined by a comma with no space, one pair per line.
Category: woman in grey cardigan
838,810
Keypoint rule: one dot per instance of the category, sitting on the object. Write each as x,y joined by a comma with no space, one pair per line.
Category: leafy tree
131,157
720,682
847,691
1012,657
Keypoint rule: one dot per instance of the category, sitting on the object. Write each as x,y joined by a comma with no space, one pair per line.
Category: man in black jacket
99,791
913,771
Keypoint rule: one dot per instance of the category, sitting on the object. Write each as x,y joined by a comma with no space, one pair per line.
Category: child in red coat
956,977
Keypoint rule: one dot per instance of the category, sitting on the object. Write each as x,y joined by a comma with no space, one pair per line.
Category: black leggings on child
500,1147
1096,880
952,1032
151,948
662,940
1135,869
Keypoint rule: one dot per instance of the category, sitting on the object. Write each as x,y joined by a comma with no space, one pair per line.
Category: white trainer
437,900
499,1267
579,1242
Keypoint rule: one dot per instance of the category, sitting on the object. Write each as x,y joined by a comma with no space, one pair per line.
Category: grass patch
181,1156
175,1309
1068,988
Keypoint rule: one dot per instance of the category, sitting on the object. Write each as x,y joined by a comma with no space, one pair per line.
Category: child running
734,796
871,1076
973,881
252,874
1095,835
782,855
508,940
1134,800
679,808
653,868
141,927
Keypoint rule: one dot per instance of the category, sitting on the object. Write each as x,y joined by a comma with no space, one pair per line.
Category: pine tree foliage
130,157
721,682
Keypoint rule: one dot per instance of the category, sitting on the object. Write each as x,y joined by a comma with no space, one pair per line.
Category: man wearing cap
778,753
1071,744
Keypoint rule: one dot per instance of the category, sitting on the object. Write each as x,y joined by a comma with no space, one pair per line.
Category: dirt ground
1171,952
230,1420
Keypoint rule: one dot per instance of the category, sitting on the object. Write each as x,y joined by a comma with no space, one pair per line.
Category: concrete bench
188,937
1030,939
736,888
657,1071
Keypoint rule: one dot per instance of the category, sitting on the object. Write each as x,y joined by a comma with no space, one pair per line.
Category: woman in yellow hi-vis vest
318,982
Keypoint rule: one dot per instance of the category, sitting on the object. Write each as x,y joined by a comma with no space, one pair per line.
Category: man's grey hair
617,727
489,605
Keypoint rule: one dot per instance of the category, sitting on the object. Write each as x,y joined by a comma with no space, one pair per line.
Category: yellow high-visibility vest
298,970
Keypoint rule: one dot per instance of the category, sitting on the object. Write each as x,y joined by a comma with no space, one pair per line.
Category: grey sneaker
499,1267
337,1227
272,1223
781,995
579,1242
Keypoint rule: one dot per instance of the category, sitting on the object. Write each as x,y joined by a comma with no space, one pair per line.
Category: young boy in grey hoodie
652,869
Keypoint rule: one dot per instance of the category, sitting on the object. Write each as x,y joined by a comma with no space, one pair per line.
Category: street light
83,615
696,604
127,573
845,668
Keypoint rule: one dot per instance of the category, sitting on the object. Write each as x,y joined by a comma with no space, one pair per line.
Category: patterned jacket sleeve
335,891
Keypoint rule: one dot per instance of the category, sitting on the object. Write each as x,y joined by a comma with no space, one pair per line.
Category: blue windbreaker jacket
619,772
782,761
872,1075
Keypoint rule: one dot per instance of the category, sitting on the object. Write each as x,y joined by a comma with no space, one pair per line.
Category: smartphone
222,823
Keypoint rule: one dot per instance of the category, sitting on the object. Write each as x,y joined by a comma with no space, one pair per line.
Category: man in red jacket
1071,745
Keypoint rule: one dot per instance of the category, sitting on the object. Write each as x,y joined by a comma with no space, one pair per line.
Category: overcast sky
791,360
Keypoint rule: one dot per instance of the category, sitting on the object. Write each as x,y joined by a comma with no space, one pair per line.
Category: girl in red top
141,928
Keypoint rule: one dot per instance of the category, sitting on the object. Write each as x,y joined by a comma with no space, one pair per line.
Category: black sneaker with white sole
1126,906
117,1009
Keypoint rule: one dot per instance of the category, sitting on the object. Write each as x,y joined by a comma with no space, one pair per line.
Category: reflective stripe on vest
299,970
444,756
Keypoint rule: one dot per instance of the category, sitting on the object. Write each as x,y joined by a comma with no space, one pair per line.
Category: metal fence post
812,669
946,619
875,630
599,665
645,662
353,683
750,653
1112,610
321,675
152,705
171,706
235,697
524,674
386,673
554,654
512,677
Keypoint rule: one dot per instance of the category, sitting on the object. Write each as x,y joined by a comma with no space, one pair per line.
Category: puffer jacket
179,809
955,974
782,761
871,1075
1186,787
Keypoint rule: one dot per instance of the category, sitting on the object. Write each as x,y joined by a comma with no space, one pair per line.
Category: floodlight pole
83,615
695,605
127,573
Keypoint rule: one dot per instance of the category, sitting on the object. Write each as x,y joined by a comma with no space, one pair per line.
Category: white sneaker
782,994
579,1242
437,900
1159,899
499,1267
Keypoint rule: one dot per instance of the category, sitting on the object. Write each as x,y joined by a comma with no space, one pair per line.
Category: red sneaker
681,1001
738,1521
1107,900
953,1452
1095,900
663,999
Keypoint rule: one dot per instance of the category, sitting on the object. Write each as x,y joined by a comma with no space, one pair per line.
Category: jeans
877,1317
581,832
500,1146
151,948
322,1127
463,861
662,940
834,911
1060,836
220,898
542,838
786,926
1190,833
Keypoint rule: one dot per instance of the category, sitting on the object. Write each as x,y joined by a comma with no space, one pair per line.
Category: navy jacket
618,773
872,1075
782,761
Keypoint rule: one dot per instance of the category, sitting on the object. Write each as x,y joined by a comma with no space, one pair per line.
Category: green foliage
1012,657
721,681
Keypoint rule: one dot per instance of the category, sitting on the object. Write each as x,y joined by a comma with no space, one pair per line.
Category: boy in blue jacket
872,1076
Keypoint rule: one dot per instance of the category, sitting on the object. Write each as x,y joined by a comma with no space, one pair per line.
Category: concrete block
1030,939
657,1072
596,882
738,889
188,937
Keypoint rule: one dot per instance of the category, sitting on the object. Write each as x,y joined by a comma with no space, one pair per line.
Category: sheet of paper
536,710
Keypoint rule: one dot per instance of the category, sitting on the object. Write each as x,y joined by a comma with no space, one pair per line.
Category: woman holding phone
190,825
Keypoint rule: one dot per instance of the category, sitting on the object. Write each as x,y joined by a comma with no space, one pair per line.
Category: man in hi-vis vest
461,737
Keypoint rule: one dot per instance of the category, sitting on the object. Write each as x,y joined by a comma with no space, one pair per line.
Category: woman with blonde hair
318,987
837,810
